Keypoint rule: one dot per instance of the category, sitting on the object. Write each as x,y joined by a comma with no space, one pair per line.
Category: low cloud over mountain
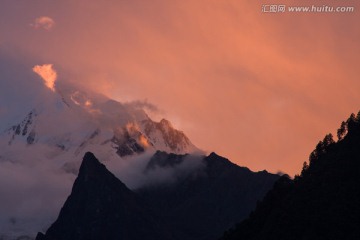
47,127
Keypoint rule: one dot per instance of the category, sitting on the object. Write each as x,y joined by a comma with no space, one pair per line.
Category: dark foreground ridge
322,203
102,207
200,205
206,202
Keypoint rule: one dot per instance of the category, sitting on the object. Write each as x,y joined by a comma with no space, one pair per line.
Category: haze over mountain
66,121
73,120
48,139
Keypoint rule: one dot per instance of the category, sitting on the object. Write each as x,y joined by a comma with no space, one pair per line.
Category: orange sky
260,89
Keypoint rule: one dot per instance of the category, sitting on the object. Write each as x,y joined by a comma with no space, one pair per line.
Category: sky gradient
258,88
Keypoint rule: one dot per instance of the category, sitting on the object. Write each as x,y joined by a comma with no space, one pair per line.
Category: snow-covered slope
75,122
163,136
41,152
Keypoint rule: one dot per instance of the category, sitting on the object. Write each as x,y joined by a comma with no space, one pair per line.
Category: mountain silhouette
199,204
102,207
202,204
323,202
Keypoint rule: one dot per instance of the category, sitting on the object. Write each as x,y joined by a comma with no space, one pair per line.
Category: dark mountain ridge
323,202
102,207
198,205
208,200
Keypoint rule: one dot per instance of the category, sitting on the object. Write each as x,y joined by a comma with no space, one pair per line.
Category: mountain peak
89,158
92,123
165,137
90,165
213,154
100,206
165,122
93,174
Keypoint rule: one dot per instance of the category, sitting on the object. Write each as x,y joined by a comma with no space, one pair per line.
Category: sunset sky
258,88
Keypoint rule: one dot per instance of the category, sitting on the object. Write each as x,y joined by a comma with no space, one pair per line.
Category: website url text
274,8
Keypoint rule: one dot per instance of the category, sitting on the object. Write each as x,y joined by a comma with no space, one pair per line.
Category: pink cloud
260,89
43,22
48,75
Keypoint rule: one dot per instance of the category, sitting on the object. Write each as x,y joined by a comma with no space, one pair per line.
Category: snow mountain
76,122
49,141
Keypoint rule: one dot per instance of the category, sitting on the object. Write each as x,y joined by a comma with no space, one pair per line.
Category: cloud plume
48,74
144,104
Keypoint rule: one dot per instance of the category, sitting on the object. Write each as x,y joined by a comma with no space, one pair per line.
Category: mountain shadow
323,202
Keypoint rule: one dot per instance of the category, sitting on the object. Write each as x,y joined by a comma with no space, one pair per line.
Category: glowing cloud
144,141
43,22
88,103
48,74
81,99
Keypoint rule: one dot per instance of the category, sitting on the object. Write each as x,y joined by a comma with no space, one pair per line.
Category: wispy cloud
43,22
144,104
48,74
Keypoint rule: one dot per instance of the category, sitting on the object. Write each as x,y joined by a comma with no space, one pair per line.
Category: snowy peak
135,138
165,137
76,122
24,130
165,123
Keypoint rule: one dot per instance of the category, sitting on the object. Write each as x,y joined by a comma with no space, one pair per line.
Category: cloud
43,22
144,104
228,64
34,187
134,171
33,190
35,180
48,74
